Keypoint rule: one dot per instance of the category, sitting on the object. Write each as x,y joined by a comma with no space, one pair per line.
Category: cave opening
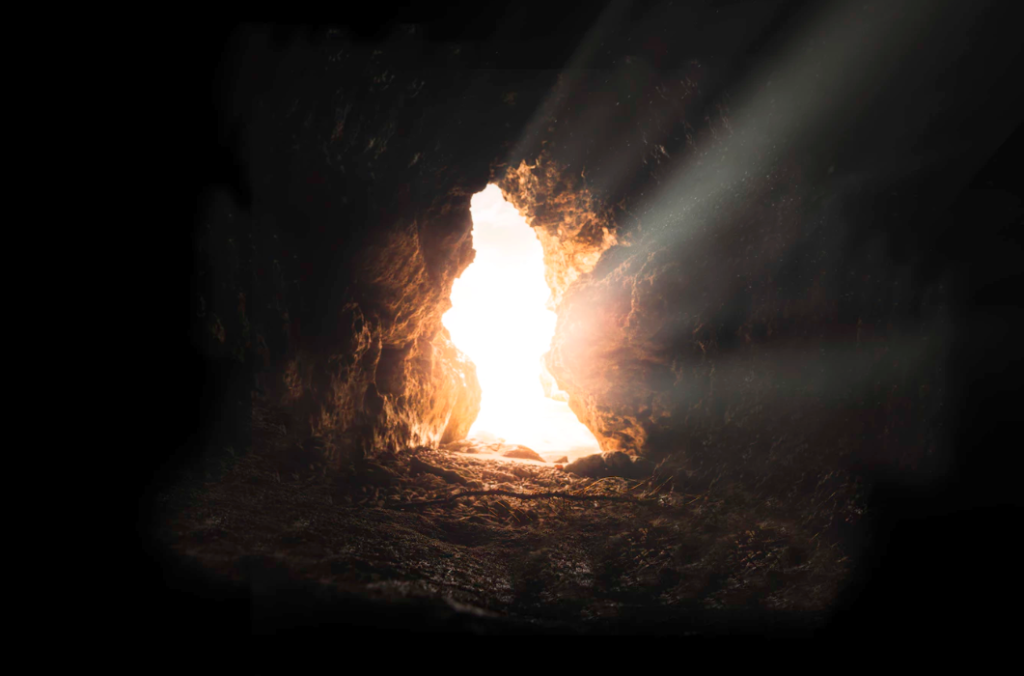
502,319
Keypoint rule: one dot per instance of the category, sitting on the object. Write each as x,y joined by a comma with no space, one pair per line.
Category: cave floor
714,560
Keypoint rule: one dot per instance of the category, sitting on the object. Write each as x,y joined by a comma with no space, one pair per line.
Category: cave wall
735,292
773,320
327,281
768,338
754,324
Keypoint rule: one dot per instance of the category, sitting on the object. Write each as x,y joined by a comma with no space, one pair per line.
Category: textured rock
573,227
331,284
618,463
522,452
727,320
588,465
642,467
417,466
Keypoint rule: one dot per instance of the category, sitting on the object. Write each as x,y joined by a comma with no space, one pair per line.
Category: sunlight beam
828,78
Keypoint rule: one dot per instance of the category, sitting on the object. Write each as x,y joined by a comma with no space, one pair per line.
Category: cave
638,317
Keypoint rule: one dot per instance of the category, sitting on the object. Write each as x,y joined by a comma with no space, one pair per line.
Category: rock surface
618,463
417,467
706,327
523,453
613,463
642,467
589,466
536,559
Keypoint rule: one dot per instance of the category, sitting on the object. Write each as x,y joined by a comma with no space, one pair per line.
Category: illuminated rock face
573,226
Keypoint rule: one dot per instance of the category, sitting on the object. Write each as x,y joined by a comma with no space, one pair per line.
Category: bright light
499,319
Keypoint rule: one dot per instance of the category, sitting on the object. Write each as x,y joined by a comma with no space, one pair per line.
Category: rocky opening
501,318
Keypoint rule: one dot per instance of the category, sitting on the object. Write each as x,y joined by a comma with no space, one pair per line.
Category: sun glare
500,320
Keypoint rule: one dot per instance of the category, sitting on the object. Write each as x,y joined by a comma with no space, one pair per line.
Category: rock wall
573,227
754,323
328,281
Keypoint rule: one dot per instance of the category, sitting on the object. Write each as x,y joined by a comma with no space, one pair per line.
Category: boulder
642,467
618,463
588,466
523,453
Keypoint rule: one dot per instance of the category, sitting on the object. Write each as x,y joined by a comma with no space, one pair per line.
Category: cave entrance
500,319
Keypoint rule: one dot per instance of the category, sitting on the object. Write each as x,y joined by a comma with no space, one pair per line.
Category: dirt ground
601,555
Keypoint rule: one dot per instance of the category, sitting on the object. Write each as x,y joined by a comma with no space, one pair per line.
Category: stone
417,466
588,466
522,452
642,467
461,447
563,460
618,463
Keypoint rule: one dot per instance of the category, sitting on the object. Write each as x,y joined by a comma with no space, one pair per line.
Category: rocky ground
583,554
